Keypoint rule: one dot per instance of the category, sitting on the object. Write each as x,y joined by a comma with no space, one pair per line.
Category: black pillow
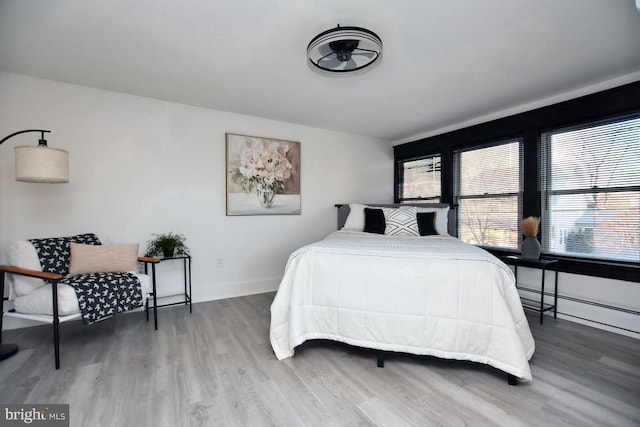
374,221
426,223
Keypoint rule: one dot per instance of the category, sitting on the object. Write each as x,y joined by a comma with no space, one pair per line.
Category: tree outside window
489,194
591,190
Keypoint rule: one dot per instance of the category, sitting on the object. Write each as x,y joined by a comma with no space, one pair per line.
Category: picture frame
262,176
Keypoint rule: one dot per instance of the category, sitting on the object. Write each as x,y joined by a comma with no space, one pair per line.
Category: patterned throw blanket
100,295
103,295
55,253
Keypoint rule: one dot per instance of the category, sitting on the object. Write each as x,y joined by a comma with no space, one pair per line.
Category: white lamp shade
42,164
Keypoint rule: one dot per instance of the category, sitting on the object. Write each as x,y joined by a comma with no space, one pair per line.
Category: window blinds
489,193
590,187
421,179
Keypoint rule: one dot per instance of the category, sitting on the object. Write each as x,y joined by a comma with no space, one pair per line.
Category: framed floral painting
263,176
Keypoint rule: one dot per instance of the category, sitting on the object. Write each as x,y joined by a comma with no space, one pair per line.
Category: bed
425,294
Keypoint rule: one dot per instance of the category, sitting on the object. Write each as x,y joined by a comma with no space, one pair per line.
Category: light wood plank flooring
216,367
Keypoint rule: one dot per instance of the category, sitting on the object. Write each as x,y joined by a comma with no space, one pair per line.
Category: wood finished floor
216,367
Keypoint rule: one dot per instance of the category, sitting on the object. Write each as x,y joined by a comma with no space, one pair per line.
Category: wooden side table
542,264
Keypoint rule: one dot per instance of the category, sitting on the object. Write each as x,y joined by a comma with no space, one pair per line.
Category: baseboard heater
597,304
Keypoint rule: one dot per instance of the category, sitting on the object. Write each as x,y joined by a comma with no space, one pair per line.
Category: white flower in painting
264,164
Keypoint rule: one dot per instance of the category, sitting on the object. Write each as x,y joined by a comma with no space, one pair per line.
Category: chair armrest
30,273
148,259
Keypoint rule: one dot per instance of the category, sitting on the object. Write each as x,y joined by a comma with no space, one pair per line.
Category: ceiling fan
344,51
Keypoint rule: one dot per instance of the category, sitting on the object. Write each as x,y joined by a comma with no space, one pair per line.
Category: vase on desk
530,248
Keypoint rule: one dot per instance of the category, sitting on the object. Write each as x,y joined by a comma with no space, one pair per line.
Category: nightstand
542,264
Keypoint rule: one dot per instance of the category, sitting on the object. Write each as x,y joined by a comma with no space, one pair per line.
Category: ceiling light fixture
344,51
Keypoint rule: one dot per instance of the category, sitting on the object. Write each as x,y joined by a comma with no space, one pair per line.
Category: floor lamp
38,164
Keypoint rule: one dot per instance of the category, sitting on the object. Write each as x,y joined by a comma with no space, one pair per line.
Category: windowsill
588,267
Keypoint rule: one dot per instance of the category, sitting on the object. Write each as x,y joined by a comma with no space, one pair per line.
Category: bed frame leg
380,359
512,380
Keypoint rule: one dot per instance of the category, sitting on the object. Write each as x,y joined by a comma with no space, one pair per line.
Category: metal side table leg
555,295
190,297
155,299
544,270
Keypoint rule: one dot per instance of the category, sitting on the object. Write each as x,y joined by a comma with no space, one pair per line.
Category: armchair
67,278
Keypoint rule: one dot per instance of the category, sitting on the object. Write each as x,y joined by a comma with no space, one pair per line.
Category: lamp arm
42,131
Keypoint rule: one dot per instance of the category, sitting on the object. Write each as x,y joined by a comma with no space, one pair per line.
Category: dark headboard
452,229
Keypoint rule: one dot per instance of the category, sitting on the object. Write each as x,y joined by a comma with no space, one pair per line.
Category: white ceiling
444,62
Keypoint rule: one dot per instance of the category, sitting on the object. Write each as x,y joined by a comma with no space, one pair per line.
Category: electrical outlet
219,262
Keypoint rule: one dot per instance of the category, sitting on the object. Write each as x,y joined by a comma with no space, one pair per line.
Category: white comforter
422,295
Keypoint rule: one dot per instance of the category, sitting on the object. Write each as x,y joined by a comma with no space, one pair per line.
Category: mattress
431,295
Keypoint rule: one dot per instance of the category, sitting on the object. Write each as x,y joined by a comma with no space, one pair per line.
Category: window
488,191
590,190
607,248
420,180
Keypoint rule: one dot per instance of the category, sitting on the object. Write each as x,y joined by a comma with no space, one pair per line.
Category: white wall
140,166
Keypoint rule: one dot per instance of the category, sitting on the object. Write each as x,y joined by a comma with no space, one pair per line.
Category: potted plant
167,244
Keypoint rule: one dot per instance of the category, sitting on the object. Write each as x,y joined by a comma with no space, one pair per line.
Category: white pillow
355,220
442,219
23,254
401,222
40,301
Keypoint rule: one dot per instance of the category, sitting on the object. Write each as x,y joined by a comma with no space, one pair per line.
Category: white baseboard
599,325
236,289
